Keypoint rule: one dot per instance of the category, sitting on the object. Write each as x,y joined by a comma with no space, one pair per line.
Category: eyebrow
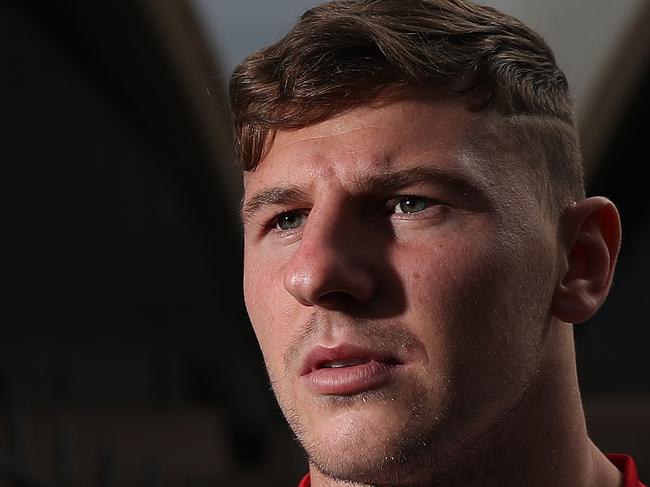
270,197
454,180
390,181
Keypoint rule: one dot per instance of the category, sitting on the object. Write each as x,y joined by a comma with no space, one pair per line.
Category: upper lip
319,356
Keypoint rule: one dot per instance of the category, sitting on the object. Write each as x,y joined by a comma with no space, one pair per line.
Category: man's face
399,285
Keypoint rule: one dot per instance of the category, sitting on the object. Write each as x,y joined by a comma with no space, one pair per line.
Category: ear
590,233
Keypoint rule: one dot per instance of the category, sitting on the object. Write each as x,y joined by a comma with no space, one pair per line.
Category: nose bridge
327,228
329,263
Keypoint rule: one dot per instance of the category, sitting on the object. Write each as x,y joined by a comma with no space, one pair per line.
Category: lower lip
345,381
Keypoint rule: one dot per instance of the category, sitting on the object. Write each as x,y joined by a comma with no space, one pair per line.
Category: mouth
347,370
339,364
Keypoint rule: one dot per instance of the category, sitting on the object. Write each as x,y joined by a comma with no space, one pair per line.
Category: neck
544,442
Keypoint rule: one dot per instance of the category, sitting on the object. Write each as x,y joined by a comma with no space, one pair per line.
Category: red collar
627,466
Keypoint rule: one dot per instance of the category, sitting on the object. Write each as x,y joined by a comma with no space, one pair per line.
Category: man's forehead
370,136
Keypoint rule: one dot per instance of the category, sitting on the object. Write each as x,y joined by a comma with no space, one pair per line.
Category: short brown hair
342,54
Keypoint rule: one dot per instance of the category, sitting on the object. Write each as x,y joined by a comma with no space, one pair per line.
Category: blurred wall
582,33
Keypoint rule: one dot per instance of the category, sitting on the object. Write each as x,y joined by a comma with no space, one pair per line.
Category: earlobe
590,240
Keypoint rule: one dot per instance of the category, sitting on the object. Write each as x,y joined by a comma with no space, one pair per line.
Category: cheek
268,307
472,330
444,277
440,281
456,300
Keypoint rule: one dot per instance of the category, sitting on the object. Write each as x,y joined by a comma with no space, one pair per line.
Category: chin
372,458
378,437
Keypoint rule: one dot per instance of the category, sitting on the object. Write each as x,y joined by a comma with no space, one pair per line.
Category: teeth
338,364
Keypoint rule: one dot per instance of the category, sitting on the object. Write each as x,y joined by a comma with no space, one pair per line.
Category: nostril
333,286
337,300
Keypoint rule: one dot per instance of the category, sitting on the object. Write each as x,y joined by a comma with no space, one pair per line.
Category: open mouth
339,364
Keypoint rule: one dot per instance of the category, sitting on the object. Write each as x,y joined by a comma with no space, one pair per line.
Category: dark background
126,357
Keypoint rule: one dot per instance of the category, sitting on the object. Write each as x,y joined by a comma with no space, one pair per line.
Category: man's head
342,55
412,255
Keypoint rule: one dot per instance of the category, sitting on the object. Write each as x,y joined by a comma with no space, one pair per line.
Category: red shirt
623,462
626,465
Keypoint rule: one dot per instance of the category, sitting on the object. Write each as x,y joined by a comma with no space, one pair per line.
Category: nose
331,267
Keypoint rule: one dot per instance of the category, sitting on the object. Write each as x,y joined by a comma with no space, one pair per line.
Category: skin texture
469,284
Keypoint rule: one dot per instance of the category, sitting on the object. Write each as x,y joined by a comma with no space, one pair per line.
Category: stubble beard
398,455
426,448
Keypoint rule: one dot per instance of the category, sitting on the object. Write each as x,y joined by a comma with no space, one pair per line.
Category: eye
412,204
290,220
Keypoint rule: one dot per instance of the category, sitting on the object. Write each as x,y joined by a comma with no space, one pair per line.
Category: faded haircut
343,54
